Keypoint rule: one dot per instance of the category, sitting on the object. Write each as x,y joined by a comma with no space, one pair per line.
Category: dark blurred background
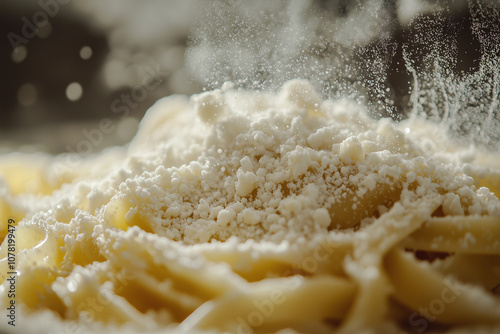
67,64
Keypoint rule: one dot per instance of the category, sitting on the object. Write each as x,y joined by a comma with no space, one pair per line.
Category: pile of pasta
248,212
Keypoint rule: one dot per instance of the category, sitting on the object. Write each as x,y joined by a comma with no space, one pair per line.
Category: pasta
248,212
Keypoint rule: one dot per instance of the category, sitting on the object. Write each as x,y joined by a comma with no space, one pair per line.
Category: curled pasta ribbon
87,294
366,268
457,234
419,287
324,256
38,255
158,279
36,244
161,259
273,303
478,269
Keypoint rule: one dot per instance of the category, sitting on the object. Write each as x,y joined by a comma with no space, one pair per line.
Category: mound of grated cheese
257,166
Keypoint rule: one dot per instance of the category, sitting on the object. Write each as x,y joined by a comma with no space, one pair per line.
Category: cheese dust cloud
237,211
